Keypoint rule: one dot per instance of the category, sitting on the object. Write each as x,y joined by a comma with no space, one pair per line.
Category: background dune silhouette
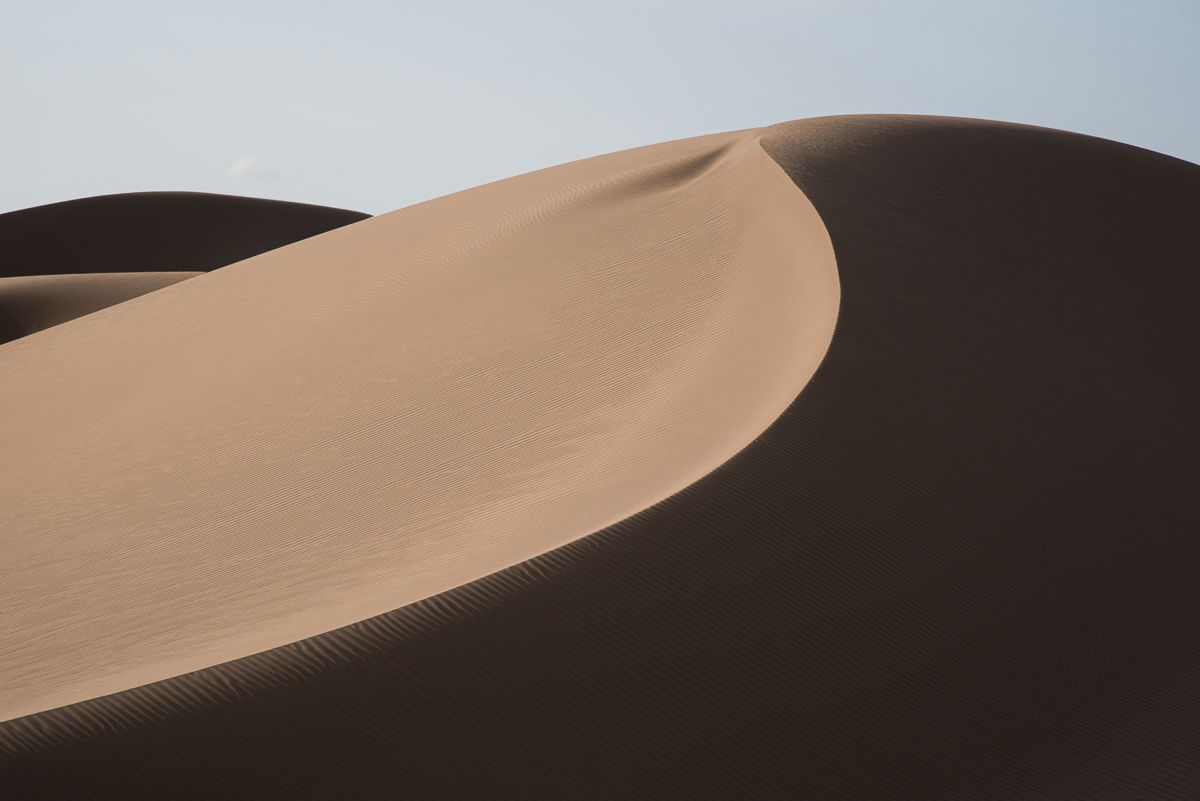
29,304
173,235
962,563
156,232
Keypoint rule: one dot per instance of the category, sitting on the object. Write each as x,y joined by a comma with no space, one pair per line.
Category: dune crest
354,422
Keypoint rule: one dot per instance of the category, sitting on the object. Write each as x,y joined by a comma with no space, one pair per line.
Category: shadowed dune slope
50,250
29,304
155,232
963,564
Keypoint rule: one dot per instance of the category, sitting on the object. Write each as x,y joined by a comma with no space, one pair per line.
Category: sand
372,416
155,232
50,251
961,563
29,304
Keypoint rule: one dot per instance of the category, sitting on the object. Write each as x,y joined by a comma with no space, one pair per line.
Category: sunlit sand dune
566,487
364,419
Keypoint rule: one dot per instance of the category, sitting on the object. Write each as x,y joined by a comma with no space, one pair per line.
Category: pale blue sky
375,106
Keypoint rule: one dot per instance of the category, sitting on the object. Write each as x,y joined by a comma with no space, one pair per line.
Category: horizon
376,108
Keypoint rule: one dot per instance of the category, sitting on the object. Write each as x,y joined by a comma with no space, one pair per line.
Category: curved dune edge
35,303
364,419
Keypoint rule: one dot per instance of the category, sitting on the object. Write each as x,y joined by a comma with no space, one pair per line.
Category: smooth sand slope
353,423
962,564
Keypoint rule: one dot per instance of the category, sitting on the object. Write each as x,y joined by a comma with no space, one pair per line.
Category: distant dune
29,304
51,253
568,486
156,232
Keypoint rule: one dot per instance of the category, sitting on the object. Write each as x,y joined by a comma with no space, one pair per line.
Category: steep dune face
361,420
962,564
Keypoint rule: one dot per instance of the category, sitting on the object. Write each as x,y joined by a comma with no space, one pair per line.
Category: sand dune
395,408
962,563
50,251
155,232
34,303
